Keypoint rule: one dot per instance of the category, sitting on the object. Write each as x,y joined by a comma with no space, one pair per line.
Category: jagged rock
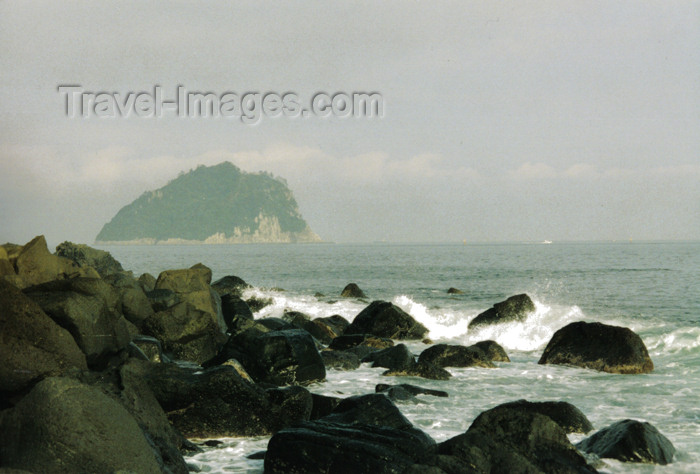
630,441
87,308
566,415
32,345
505,439
150,347
318,328
147,282
230,285
35,264
234,309
161,299
340,360
292,404
600,347
454,291
397,358
63,426
187,333
351,290
287,357
6,267
492,351
410,389
515,308
256,304
209,403
135,305
85,256
385,319
323,405
423,369
445,355
363,434
336,324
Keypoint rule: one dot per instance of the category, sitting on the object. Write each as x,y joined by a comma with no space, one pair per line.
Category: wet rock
323,405
187,333
323,329
492,350
630,441
422,369
600,347
340,360
445,355
360,344
63,426
85,256
32,345
363,434
411,389
351,290
150,347
397,358
385,319
88,309
515,308
292,404
230,285
454,291
256,304
566,415
504,439
275,324
234,309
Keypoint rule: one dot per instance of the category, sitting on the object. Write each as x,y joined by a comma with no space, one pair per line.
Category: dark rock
230,285
364,434
215,402
88,309
515,308
412,389
136,306
336,324
186,332
213,443
234,309
323,405
340,360
256,304
151,348
385,319
630,441
32,345
445,355
398,358
257,455
454,291
566,415
63,426
351,290
286,357
425,370
85,256
492,350
147,282
319,295
292,404
598,346
161,300
319,329
275,324
349,341
504,439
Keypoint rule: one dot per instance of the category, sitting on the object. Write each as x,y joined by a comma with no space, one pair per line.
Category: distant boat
546,241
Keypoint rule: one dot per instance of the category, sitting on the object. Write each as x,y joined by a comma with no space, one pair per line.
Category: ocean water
651,287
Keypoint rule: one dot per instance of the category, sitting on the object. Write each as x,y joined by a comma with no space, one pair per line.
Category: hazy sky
503,120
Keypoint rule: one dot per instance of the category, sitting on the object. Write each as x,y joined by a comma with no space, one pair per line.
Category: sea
652,288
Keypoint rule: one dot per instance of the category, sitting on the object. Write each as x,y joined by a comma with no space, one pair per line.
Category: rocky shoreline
106,371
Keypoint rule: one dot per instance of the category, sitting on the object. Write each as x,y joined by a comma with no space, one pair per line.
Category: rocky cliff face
212,205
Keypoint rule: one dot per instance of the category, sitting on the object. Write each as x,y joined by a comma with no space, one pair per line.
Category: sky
502,121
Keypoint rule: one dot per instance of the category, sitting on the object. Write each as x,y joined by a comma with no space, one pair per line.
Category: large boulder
216,402
630,441
32,345
35,265
385,319
323,329
506,439
230,285
85,256
351,290
493,351
340,360
398,357
600,347
187,333
362,434
6,267
446,355
63,426
89,309
515,308
135,305
566,415
234,309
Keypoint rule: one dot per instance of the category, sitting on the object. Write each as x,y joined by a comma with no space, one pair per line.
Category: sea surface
652,288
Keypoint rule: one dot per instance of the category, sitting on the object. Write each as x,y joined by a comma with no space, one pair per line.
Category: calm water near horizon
650,287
